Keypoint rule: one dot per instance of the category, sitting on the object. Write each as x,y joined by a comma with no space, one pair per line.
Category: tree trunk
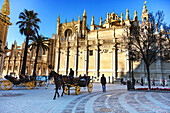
25,57
35,64
133,79
148,71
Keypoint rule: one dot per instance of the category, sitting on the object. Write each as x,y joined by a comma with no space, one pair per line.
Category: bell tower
4,21
145,15
4,24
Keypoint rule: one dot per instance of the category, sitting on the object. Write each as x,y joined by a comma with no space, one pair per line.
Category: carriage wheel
90,87
77,90
66,90
6,85
29,85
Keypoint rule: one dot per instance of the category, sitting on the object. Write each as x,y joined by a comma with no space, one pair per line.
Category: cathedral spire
79,24
100,21
121,19
84,14
5,8
127,21
84,22
92,22
145,15
135,16
58,20
92,27
144,8
107,20
79,18
58,25
127,14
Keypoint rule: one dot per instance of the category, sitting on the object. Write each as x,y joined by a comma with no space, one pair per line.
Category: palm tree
28,26
38,42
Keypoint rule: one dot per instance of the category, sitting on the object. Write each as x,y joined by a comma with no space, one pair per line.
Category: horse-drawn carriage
11,81
66,83
77,83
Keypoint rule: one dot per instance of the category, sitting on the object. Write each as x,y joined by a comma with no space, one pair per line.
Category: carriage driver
71,74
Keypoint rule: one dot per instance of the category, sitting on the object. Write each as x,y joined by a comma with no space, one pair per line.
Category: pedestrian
103,82
71,74
121,81
141,81
153,82
163,82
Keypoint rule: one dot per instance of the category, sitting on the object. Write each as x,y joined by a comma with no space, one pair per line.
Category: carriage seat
22,79
10,78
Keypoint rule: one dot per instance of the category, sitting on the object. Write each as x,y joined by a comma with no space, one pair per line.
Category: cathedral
91,51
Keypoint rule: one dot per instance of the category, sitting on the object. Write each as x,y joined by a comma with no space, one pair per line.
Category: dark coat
103,80
71,74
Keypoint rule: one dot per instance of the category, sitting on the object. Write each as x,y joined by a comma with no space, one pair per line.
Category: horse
58,82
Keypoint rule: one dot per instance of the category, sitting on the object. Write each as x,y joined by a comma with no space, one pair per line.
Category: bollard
109,79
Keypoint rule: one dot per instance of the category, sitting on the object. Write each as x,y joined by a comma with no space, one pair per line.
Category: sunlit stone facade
87,51
95,52
13,61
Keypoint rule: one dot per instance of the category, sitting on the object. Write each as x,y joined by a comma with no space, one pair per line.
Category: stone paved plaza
116,100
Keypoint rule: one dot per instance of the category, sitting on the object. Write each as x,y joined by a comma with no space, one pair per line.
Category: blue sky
48,11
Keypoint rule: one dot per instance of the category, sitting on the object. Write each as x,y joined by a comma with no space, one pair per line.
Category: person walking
163,82
103,82
153,82
121,81
71,74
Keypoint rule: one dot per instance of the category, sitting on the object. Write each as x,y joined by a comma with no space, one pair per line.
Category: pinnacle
84,14
5,8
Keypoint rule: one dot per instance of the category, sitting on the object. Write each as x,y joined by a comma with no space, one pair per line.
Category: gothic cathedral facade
92,51
95,52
